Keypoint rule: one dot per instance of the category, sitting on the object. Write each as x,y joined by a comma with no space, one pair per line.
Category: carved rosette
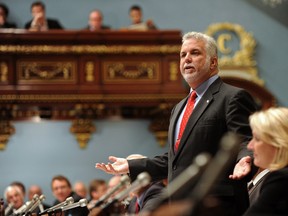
6,130
160,123
82,129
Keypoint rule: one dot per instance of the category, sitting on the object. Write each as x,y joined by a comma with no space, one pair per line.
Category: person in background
80,189
197,124
61,188
39,21
21,186
137,23
14,196
36,189
97,188
143,199
95,22
4,12
270,148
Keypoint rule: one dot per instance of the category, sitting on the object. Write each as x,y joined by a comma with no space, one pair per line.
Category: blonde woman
270,148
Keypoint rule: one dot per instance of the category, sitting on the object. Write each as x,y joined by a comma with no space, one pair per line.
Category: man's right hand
119,166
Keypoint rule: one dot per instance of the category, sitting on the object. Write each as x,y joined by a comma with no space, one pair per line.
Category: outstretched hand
242,168
119,166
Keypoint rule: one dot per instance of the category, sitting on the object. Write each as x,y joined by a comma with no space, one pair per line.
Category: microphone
36,204
80,203
9,208
123,181
68,201
229,146
185,181
21,210
143,179
31,203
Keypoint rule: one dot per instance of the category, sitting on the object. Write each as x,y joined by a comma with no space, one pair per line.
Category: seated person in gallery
95,22
4,11
137,22
40,22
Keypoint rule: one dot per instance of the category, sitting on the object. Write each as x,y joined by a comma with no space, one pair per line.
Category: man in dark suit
62,189
218,108
39,21
4,12
95,22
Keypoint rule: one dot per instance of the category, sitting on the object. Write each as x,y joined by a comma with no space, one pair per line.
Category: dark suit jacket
255,190
147,199
103,27
8,25
221,109
273,196
52,24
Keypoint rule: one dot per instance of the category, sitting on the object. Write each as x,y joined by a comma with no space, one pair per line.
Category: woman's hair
271,126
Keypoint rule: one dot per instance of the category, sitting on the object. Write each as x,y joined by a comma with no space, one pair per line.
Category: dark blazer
52,24
8,25
147,199
255,190
273,196
222,108
103,27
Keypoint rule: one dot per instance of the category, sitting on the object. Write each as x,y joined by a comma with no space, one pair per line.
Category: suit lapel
198,111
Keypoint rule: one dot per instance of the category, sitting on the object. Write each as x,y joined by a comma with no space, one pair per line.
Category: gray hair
211,46
11,188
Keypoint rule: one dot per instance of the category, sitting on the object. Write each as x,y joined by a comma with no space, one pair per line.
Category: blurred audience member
95,21
137,22
35,189
13,195
61,188
80,189
21,186
97,188
39,21
4,12
143,199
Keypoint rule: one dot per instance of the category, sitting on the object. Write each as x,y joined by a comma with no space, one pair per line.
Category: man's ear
213,63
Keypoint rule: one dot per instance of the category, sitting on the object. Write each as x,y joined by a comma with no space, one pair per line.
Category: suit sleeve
156,167
240,107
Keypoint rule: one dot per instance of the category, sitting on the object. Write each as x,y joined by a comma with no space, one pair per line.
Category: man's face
61,190
195,65
95,20
37,11
135,16
14,196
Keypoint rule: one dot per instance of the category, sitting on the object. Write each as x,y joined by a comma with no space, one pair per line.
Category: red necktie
137,207
187,113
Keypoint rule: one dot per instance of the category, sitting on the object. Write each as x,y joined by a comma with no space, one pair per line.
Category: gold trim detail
89,69
3,72
89,49
88,97
82,129
173,69
126,72
6,131
46,71
242,63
